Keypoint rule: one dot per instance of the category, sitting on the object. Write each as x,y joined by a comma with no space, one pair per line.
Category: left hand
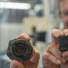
34,60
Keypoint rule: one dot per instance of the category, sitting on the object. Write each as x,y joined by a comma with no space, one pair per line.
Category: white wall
8,32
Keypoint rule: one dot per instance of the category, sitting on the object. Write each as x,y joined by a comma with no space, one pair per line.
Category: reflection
13,12
12,15
11,5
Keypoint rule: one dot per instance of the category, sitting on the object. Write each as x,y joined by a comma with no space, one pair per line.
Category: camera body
63,43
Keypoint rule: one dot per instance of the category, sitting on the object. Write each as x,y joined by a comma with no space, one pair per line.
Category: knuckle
50,47
65,54
37,53
46,55
65,31
53,31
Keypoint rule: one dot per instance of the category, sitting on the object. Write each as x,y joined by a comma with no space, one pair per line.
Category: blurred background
35,17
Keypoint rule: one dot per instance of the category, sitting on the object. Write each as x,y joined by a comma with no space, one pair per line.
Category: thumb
16,64
55,34
35,57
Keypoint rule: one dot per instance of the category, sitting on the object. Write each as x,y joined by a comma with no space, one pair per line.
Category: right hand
52,58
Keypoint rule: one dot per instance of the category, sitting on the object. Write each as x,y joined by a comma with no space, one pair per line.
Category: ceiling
29,1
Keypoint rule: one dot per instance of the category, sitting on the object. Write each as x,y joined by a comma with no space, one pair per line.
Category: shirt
4,64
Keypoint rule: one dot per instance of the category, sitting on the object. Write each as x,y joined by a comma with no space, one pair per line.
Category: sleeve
4,64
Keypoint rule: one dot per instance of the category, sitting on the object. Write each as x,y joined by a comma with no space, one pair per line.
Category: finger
16,64
13,65
54,51
35,56
65,32
65,55
47,57
24,36
55,34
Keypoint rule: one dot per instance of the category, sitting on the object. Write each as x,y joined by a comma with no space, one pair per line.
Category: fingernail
13,65
66,34
58,62
63,60
34,58
57,34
